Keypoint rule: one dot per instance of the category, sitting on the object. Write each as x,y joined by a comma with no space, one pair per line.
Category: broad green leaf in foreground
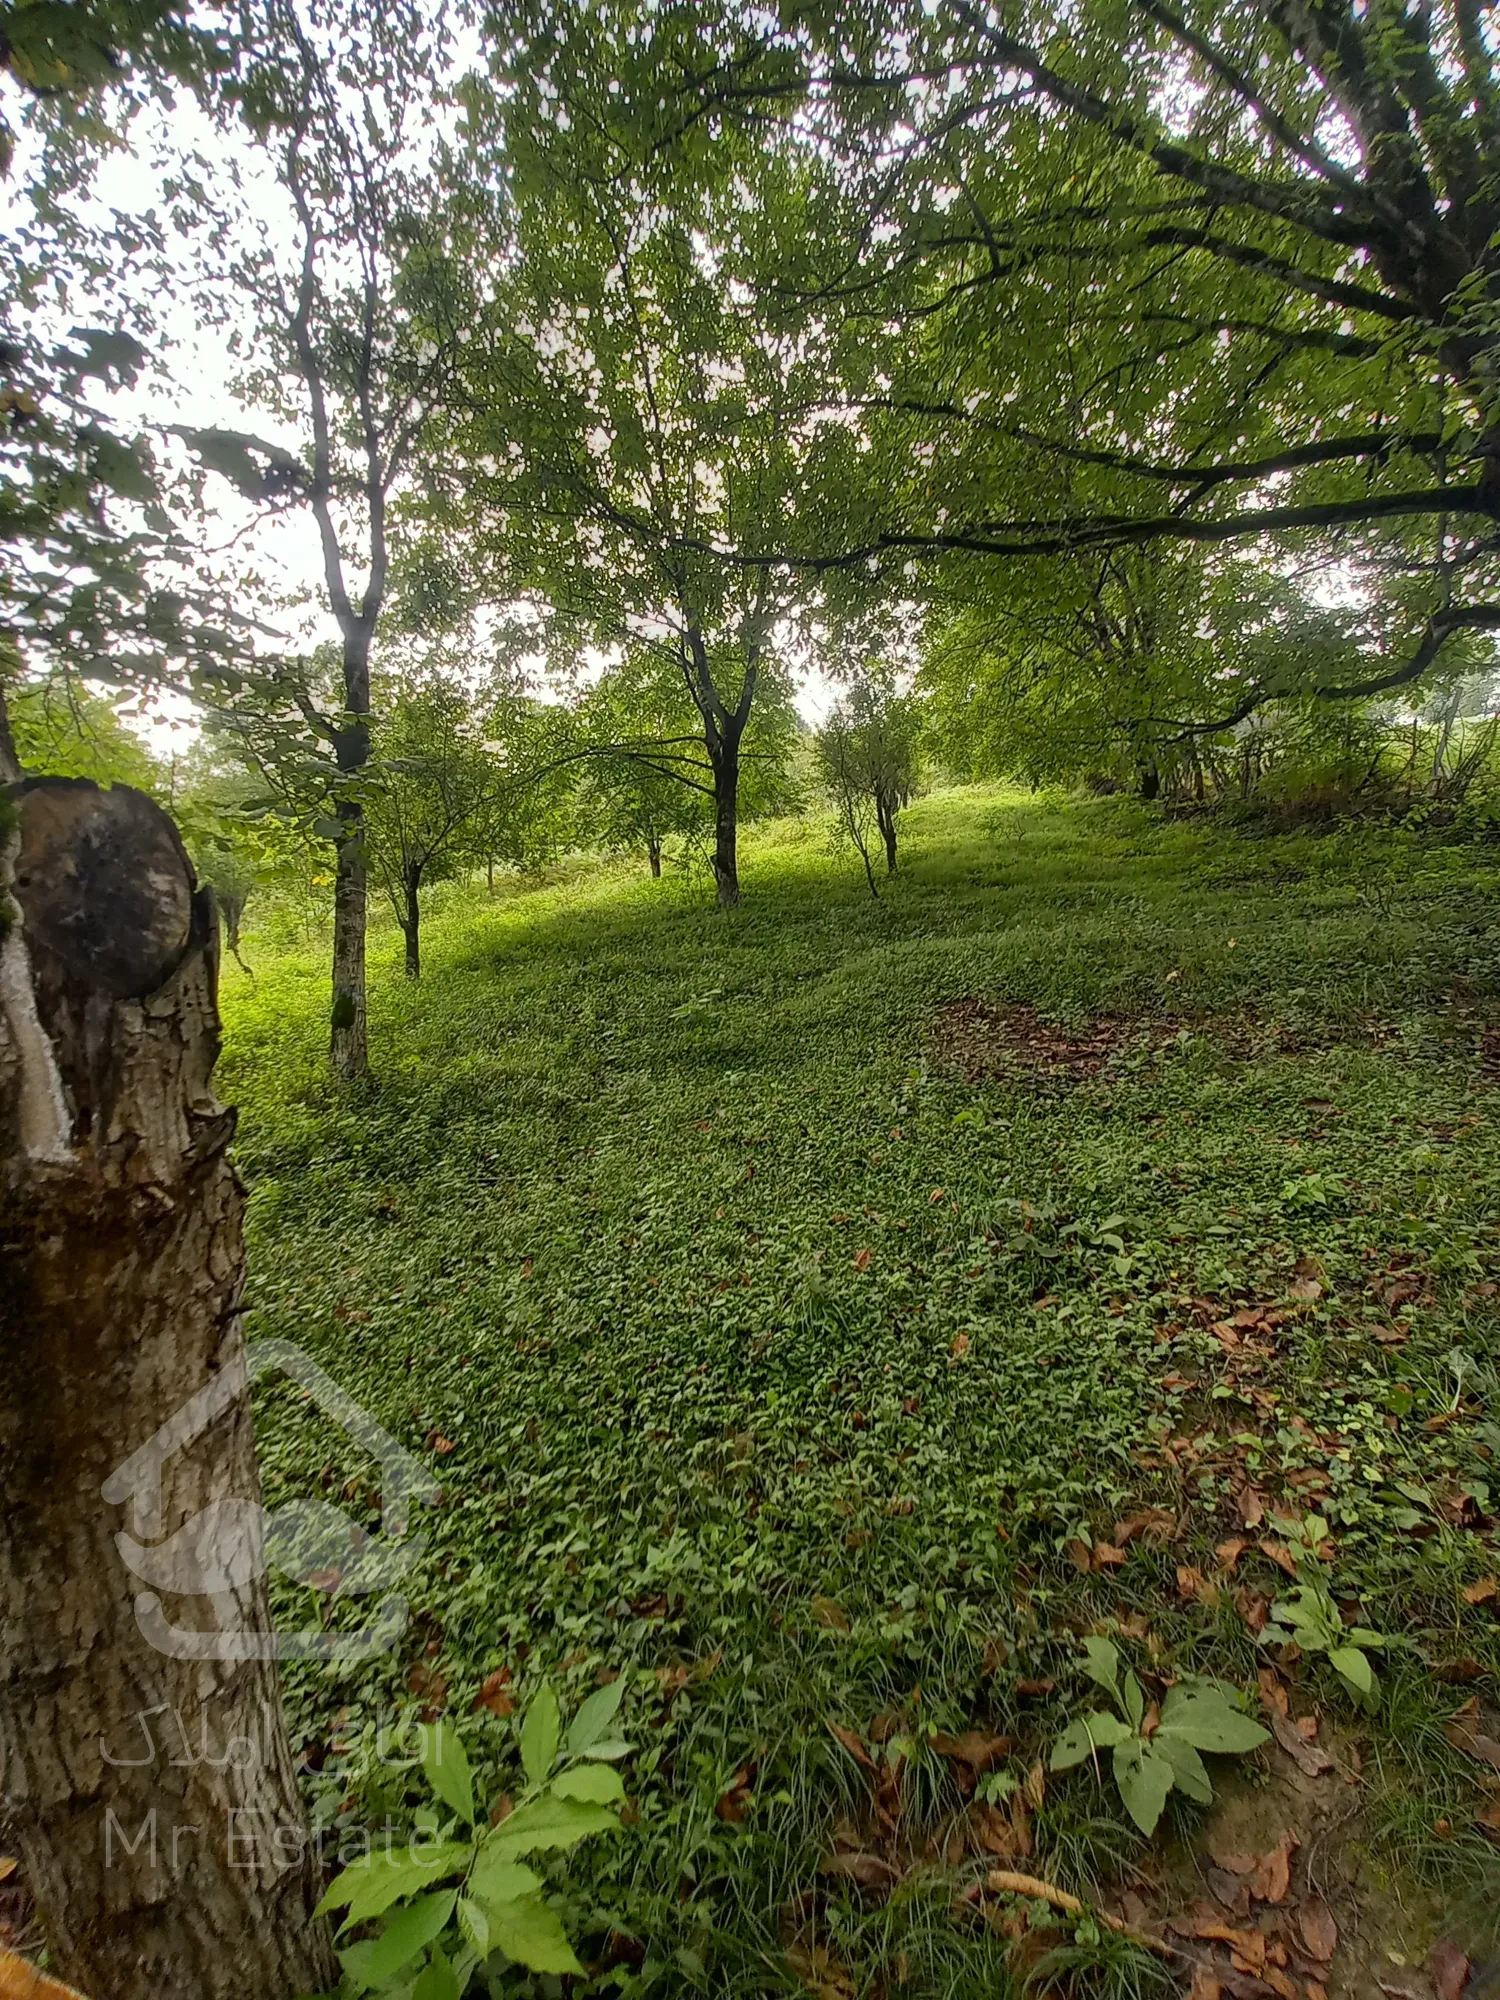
1084,1736
446,1764
407,1933
594,1717
539,1734
371,1885
1144,1778
530,1933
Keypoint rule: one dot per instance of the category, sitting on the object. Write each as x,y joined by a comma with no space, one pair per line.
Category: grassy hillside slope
788,1337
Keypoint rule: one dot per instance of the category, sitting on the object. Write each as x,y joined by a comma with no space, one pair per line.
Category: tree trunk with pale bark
147,1780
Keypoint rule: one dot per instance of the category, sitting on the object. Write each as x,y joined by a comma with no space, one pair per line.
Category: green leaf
446,1764
371,1885
475,1925
1203,1716
1350,1663
539,1734
594,1782
1187,1766
529,1932
438,1980
1102,1664
1144,1778
1084,1736
497,1880
595,1716
547,1822
1135,1701
407,1933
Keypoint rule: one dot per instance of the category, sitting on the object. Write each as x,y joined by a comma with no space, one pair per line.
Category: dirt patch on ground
981,1042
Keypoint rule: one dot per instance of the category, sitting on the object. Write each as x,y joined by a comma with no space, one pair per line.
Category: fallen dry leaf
1464,1733
1481,1592
1155,1524
1228,1553
734,1801
1449,1968
1273,1872
1206,1984
1281,1555
1320,1933
493,1694
862,1260
1107,1556
1254,1607
1273,1693
21,1980
976,1748
8,1866
850,1740
1459,1672
830,1615
1079,1554
1310,1758
871,1871
1230,1890
995,1833
1315,1989
1232,1859
1252,1506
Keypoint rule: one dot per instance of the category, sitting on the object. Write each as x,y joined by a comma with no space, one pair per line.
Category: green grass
603,1227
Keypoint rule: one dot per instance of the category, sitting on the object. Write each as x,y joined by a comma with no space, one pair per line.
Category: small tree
867,754
429,797
649,779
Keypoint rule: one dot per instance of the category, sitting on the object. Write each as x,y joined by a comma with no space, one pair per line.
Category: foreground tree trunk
653,855
411,923
147,1773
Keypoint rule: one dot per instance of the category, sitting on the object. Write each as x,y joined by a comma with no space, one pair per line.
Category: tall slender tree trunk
348,1047
489,869
411,923
653,855
148,1777
885,815
724,754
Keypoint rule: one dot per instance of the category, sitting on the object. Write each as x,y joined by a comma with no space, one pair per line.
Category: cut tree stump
152,1795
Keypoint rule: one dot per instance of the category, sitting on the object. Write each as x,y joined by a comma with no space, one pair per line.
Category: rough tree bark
152,1795
653,855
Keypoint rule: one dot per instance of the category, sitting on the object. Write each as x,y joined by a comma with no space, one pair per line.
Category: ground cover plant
830,1387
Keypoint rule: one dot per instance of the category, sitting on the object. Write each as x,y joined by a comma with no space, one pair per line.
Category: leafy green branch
447,1904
